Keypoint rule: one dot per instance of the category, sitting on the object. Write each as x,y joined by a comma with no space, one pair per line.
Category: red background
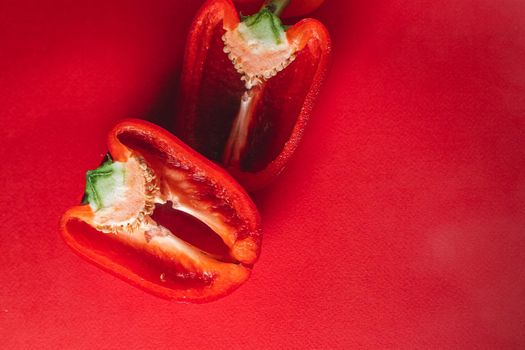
399,223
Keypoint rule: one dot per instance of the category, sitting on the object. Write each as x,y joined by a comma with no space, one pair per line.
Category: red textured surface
399,223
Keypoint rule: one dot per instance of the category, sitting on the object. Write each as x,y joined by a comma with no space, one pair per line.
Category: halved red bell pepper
132,223
248,88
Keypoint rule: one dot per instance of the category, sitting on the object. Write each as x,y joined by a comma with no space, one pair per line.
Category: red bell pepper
135,222
248,88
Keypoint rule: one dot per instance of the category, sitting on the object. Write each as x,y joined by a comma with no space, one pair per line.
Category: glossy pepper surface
164,218
248,88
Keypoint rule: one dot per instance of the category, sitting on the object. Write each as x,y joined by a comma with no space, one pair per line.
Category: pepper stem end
275,6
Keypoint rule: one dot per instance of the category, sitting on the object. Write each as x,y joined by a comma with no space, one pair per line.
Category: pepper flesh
256,146
119,233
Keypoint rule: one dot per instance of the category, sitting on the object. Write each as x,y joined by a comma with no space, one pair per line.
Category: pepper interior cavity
123,196
259,49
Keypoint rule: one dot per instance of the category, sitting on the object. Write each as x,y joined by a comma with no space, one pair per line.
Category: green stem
276,6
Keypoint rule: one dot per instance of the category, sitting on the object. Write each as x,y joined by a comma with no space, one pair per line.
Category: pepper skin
250,126
152,176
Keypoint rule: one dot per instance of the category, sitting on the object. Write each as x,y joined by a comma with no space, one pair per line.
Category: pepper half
248,88
151,187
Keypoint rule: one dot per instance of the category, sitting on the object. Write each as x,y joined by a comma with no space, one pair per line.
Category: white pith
257,60
238,138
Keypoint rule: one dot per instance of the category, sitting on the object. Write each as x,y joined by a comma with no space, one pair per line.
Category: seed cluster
151,190
252,78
